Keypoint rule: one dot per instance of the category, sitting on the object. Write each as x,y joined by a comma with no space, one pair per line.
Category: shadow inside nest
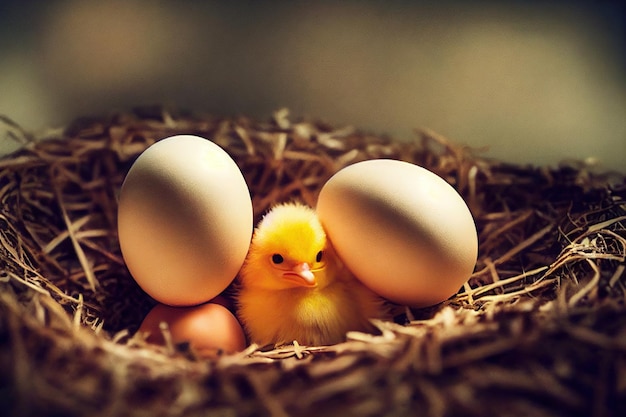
540,322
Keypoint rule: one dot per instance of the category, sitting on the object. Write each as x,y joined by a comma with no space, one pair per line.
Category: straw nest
539,329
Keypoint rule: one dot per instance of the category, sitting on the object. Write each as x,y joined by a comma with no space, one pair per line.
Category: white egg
401,229
184,220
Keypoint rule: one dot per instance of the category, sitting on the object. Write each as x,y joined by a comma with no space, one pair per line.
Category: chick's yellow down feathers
293,286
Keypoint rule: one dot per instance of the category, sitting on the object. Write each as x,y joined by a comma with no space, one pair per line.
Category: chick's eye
319,256
277,258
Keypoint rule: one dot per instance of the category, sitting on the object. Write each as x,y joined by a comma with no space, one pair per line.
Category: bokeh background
531,81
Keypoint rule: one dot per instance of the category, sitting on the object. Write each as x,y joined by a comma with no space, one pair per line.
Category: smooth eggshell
402,230
207,327
184,220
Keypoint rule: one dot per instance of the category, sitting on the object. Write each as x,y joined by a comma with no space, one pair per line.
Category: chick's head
288,250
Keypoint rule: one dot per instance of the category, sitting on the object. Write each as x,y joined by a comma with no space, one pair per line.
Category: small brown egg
208,328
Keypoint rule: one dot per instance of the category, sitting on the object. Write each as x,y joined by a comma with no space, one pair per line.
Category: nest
539,329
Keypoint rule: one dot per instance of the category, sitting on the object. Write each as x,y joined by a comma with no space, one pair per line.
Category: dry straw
539,329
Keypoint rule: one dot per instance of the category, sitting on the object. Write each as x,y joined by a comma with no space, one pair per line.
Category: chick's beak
301,274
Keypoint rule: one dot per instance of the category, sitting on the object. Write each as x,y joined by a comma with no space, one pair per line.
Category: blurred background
533,81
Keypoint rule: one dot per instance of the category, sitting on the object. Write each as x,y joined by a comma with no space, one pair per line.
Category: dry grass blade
82,258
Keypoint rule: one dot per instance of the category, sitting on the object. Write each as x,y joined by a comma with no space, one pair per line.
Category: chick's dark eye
319,256
277,258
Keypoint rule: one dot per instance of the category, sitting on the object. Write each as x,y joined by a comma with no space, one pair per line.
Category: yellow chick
293,286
